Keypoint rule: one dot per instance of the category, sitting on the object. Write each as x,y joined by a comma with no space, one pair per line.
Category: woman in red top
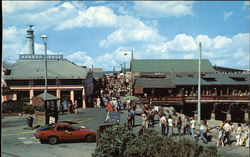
109,109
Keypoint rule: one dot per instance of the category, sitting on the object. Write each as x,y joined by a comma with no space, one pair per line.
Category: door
65,133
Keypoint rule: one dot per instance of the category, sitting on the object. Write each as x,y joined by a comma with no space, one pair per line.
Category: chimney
30,40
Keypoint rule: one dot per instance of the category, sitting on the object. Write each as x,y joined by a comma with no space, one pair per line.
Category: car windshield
48,127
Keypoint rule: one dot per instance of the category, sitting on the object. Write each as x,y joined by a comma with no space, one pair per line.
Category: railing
184,98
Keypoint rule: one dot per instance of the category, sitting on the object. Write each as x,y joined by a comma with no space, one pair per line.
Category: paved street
20,142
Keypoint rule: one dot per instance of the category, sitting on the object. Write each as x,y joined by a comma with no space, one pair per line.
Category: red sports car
54,133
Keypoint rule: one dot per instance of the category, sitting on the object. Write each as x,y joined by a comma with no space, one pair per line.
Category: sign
138,90
37,101
39,57
40,118
114,117
52,120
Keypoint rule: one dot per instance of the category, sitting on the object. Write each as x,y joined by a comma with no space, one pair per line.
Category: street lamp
44,38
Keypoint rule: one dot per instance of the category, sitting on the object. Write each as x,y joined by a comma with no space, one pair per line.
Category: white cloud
221,50
156,9
16,6
52,17
132,29
227,15
81,58
13,34
92,17
221,42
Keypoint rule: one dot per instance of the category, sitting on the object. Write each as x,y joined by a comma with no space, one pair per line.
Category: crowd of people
169,121
227,130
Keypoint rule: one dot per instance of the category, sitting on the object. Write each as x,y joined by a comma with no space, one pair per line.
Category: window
71,82
17,82
65,128
238,78
42,82
209,79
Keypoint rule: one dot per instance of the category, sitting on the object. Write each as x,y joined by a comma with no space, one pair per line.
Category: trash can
30,121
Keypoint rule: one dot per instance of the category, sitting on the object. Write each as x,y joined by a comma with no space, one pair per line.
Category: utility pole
199,87
132,75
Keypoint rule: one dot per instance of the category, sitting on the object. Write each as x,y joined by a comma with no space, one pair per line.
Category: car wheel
90,138
42,141
52,140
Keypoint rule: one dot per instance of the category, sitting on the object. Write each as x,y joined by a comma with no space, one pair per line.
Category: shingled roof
171,65
35,69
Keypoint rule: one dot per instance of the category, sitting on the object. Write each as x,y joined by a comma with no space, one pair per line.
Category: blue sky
98,33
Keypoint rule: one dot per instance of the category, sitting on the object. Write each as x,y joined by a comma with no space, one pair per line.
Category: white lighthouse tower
30,41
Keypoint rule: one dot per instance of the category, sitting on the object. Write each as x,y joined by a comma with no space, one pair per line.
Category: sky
99,33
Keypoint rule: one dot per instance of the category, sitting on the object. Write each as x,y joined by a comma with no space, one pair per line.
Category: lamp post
131,67
199,87
44,38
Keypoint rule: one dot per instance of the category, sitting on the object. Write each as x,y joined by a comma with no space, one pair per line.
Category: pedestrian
239,133
170,126
109,109
221,135
231,130
203,131
129,118
192,127
227,129
75,107
145,117
245,136
163,122
98,102
167,114
133,111
186,128
124,104
178,125
70,107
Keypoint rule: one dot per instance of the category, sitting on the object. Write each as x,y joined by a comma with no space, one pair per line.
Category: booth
46,109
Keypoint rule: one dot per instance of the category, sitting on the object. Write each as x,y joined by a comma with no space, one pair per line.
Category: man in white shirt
203,131
170,125
193,126
163,122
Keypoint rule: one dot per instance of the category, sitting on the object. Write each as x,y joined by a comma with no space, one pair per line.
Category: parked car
60,132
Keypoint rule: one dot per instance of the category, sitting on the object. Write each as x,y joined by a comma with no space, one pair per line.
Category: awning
154,83
49,96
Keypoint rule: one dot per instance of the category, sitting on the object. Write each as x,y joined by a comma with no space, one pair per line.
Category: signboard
52,120
138,90
39,57
40,118
37,101
114,117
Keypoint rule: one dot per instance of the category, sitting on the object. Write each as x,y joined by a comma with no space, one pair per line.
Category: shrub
12,106
209,150
28,109
121,142
113,142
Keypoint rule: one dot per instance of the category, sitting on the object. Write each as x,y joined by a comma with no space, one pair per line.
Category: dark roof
227,69
154,83
171,65
219,79
35,69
